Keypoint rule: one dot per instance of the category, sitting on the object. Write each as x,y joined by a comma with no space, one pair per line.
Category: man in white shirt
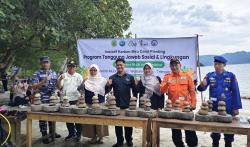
69,82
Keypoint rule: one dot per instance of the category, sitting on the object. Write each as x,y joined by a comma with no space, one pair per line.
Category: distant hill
233,58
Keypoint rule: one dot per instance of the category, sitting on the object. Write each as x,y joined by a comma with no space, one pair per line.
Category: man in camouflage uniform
44,80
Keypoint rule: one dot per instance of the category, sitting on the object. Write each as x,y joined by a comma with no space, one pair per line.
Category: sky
223,24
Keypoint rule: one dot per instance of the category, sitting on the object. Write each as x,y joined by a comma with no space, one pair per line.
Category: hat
71,62
44,59
174,60
220,59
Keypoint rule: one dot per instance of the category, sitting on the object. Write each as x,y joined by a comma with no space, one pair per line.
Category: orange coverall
180,87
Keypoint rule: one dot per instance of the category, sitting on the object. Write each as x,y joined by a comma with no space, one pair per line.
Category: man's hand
137,79
62,77
203,83
109,83
48,78
168,82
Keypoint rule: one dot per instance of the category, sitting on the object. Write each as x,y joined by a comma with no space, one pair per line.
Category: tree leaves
37,27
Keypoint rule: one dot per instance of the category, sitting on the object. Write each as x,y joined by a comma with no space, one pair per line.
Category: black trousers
43,125
5,85
119,133
191,138
73,128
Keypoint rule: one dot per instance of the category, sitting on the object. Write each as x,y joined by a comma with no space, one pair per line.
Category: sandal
93,141
100,141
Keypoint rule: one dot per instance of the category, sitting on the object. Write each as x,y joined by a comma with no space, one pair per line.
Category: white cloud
224,24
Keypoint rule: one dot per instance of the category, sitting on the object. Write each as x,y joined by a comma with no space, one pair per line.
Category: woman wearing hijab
95,85
149,84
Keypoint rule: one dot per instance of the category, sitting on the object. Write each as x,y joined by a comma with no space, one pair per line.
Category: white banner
137,52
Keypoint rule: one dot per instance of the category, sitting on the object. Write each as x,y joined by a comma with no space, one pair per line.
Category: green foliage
32,28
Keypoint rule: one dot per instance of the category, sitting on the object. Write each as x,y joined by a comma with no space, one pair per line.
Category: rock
185,115
111,112
213,117
210,105
149,114
95,111
222,106
49,108
203,109
223,118
142,101
203,118
37,106
186,107
78,110
131,111
177,105
168,105
95,102
65,102
81,102
147,105
66,109
166,114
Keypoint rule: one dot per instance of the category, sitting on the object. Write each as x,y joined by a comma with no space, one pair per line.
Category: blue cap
44,59
220,59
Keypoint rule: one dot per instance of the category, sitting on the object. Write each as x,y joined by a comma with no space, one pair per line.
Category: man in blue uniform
44,80
222,83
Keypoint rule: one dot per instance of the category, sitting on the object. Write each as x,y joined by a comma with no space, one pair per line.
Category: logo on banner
142,43
114,43
154,42
122,43
132,43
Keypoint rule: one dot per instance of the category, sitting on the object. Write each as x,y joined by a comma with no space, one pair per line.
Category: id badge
213,98
181,98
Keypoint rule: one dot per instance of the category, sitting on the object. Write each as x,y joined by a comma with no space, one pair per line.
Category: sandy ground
165,140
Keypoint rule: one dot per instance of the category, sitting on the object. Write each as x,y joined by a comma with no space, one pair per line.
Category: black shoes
228,144
78,138
129,143
70,137
118,144
45,138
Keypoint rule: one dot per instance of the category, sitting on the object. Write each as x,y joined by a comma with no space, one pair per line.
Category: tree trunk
7,61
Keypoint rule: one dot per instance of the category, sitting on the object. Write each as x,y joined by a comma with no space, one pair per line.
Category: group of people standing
177,84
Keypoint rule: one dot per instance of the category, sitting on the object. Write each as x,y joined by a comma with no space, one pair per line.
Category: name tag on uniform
181,98
183,78
43,75
213,98
227,80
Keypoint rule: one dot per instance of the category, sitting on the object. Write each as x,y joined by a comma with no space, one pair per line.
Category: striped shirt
47,88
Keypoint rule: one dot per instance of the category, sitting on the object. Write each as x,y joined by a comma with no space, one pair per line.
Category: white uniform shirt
70,83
